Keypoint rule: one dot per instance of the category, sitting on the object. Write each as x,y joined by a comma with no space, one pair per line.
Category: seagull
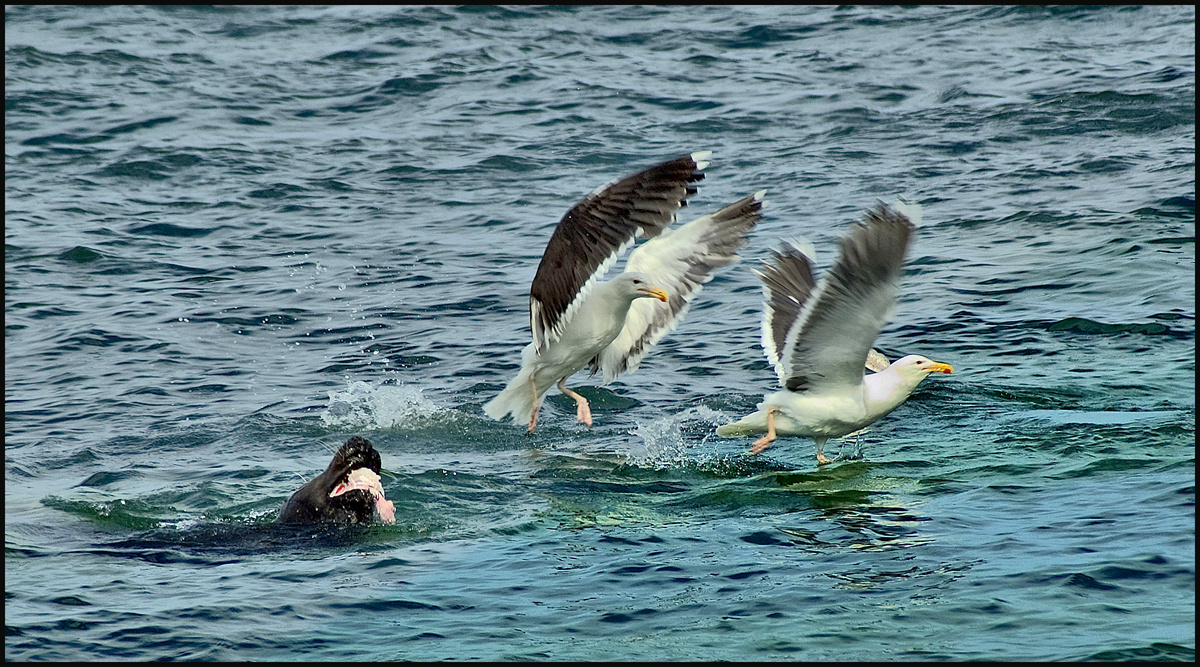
578,320
819,336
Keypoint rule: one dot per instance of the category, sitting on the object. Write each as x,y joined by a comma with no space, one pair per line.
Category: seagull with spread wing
819,337
578,320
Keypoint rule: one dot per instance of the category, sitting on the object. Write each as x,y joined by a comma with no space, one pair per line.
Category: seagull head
917,367
638,286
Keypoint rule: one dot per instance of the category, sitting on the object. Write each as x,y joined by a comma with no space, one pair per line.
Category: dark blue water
236,236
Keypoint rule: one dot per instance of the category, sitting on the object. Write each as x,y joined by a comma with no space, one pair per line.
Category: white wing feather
679,261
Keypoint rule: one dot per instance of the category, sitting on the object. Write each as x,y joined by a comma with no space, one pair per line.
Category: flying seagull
819,337
578,320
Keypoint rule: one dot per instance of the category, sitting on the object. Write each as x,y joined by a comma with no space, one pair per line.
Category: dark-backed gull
577,320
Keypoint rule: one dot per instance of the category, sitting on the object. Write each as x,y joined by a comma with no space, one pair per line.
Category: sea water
236,236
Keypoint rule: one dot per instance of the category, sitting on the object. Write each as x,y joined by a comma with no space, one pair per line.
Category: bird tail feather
754,422
516,399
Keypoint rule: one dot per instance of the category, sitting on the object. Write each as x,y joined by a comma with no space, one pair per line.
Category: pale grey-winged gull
578,321
819,337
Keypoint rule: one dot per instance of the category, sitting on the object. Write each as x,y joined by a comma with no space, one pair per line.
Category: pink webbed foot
583,412
761,444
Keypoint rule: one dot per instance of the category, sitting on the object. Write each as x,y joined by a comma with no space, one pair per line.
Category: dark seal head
312,502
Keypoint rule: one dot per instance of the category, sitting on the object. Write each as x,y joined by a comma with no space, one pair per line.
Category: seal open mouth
349,491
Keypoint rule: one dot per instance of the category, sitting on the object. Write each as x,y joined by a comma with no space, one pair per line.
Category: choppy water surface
236,236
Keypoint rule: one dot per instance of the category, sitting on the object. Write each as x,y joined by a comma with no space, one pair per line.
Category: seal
337,496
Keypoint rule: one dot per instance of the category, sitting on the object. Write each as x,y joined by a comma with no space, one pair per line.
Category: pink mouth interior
366,480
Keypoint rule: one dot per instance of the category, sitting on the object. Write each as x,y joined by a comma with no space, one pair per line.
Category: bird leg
533,390
582,411
765,441
821,459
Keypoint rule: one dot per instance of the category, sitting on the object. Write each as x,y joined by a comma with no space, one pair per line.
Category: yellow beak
939,367
655,292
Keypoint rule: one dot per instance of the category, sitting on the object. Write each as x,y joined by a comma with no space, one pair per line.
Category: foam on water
663,444
368,405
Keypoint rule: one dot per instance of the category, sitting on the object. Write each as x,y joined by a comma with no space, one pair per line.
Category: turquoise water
237,236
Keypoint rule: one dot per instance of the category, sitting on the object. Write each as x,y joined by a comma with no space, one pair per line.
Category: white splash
664,445
377,405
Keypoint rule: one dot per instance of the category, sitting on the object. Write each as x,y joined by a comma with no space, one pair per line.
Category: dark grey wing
597,230
679,261
827,345
787,285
